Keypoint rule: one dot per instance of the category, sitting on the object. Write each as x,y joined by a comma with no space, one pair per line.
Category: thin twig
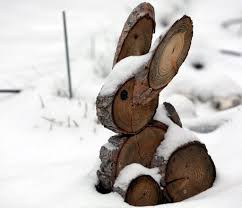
85,110
51,126
53,121
48,119
75,123
42,102
230,22
68,122
10,90
230,52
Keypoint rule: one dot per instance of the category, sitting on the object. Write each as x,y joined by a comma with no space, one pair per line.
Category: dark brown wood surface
140,148
128,116
143,191
189,171
136,36
123,150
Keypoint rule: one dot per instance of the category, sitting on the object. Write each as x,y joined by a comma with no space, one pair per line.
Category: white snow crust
161,115
122,72
175,137
49,145
132,171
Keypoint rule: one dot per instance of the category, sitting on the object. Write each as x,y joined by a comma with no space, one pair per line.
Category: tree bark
108,156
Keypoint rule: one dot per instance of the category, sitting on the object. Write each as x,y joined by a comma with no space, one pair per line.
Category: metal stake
67,54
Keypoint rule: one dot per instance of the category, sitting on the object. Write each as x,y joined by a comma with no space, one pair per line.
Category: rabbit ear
170,53
136,36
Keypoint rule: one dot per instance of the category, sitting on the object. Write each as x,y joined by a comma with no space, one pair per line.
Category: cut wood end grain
136,36
143,191
170,53
196,172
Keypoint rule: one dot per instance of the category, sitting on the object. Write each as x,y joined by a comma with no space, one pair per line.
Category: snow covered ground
49,146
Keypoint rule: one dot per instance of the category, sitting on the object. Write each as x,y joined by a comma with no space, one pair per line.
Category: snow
161,115
123,71
175,137
203,88
156,43
53,163
131,172
183,105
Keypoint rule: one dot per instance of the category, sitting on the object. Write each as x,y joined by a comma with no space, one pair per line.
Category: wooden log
136,36
188,171
119,114
129,117
123,150
131,107
115,155
143,191
141,147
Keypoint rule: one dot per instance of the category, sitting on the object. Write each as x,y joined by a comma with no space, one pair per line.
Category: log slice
128,116
189,171
170,53
136,36
143,191
141,147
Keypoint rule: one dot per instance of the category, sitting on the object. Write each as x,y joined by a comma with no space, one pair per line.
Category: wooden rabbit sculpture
132,103
127,104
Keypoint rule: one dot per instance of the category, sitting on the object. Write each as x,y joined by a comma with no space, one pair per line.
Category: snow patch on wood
161,115
123,71
175,137
131,172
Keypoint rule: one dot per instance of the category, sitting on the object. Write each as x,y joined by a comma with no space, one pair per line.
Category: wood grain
136,36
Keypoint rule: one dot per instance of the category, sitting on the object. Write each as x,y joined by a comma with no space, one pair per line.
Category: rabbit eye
135,36
124,95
